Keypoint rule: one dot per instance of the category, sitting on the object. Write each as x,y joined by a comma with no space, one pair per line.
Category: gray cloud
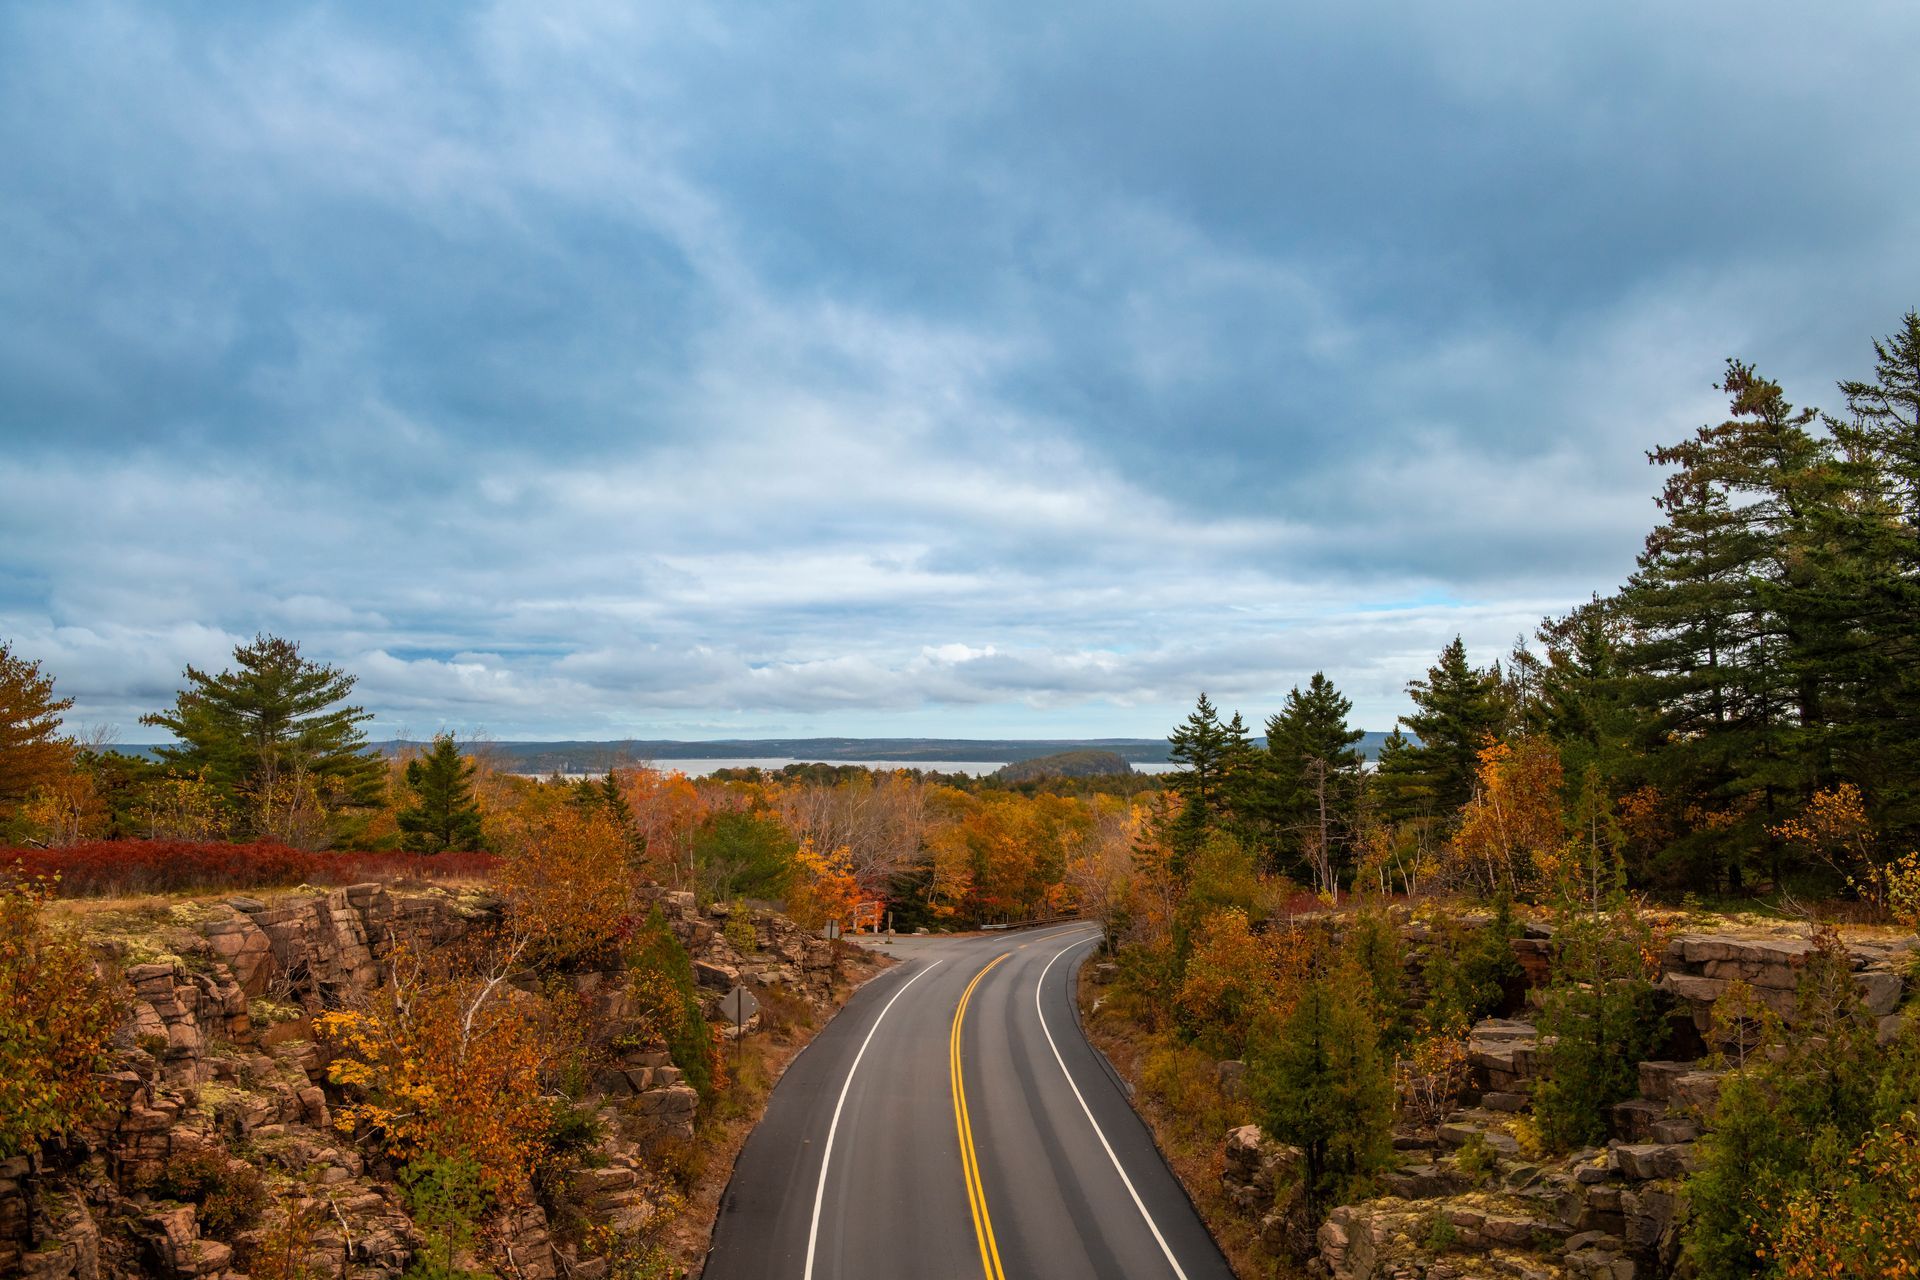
851,368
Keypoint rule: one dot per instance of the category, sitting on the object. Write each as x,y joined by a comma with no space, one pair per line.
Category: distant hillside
1065,764
587,756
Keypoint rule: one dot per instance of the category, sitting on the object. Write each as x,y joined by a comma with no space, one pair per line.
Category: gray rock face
1700,967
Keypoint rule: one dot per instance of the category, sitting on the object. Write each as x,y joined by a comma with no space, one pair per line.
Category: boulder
1651,1161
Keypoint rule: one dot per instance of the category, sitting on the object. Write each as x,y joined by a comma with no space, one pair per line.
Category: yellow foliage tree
824,888
1834,827
1511,833
57,1020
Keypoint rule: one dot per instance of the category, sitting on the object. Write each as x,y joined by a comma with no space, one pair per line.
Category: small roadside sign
739,1005
830,930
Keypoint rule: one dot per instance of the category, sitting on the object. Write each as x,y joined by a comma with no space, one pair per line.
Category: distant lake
773,764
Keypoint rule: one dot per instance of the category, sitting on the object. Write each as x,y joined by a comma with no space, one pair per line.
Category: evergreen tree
1579,691
603,796
1458,710
1597,1016
444,815
1878,738
276,720
1309,785
1323,1085
1217,757
1720,608
1398,790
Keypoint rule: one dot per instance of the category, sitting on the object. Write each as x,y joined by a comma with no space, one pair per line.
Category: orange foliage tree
1868,1222
32,752
1834,827
444,1061
824,888
1511,833
567,886
1238,981
57,1019
667,809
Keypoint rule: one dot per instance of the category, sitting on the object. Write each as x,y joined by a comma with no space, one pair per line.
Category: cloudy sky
878,368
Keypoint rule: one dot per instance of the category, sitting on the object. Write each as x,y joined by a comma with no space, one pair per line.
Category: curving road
952,1121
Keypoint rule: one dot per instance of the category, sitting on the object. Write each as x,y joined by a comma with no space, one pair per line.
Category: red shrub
112,868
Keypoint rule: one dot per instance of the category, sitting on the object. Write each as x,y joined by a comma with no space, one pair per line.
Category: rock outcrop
1471,1197
217,1073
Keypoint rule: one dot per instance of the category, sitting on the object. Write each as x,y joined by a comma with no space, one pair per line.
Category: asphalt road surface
952,1121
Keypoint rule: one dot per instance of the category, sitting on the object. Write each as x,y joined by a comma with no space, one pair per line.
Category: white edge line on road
826,1155
1098,1132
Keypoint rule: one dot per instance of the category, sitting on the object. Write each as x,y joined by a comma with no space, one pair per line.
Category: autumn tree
57,1020
443,1064
443,815
32,753
275,736
824,888
1511,834
1239,984
669,811
568,889
881,820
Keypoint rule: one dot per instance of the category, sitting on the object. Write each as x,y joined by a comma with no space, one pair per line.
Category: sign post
739,1004
831,931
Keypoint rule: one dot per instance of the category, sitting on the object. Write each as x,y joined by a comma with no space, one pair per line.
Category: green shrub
1467,971
572,1129
743,855
1323,1085
666,1002
229,1193
1597,1019
1477,1159
1184,1078
739,931
1373,945
447,1196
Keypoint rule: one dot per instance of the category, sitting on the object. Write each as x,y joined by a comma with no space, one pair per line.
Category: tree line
1740,714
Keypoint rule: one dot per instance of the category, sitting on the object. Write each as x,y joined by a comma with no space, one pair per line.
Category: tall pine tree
1877,731
1216,756
1724,621
1458,709
1309,783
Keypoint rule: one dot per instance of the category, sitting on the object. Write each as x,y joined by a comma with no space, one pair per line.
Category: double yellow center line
969,1162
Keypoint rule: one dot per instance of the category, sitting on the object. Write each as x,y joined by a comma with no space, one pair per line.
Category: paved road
953,1122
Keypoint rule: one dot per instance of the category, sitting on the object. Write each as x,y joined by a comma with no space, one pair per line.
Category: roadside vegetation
1730,733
